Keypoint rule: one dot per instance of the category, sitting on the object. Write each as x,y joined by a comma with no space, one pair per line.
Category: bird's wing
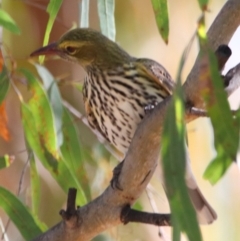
158,73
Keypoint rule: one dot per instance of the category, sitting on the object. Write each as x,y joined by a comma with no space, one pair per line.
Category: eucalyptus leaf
225,126
57,167
55,100
174,158
160,8
35,185
42,112
84,9
106,16
19,214
8,23
52,9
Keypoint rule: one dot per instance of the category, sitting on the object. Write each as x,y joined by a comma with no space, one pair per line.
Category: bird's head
86,47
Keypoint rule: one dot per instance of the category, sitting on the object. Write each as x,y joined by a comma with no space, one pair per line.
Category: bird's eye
71,50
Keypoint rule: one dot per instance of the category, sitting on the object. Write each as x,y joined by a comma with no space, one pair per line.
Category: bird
118,90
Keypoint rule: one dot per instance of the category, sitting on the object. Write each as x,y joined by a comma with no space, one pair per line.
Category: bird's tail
205,213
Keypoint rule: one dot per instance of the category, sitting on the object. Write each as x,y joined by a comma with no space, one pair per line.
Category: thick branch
105,211
219,33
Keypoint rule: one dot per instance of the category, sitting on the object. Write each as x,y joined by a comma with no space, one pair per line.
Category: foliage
8,23
174,165
161,14
226,131
52,137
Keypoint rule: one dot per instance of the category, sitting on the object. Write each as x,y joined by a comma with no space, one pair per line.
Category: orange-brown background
137,33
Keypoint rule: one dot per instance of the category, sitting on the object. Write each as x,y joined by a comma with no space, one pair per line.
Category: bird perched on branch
116,91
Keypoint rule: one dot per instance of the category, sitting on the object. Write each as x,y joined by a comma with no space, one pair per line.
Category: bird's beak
50,49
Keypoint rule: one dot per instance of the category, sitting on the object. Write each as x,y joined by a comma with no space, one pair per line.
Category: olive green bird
117,90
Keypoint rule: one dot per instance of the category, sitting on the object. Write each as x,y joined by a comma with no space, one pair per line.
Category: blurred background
137,33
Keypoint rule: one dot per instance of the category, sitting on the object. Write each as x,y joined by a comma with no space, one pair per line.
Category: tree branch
131,215
105,211
220,32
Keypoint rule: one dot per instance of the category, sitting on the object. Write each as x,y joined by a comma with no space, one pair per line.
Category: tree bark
140,163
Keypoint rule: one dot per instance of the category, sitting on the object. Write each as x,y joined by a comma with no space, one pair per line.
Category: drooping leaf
73,153
52,9
226,128
35,185
36,113
42,113
217,168
84,9
106,16
19,214
54,98
8,23
161,15
174,165
57,167
67,178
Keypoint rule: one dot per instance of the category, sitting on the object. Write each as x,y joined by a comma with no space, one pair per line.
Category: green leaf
106,16
161,14
226,131
217,168
5,161
226,128
8,23
203,4
42,114
39,129
66,177
54,98
174,166
4,83
19,214
84,9
52,9
35,185
31,132
72,152
57,167
176,236
70,149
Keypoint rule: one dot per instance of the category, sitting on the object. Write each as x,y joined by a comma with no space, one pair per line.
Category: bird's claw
116,172
124,214
148,108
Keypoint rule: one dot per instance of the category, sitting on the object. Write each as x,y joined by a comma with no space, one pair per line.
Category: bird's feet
116,172
125,214
148,108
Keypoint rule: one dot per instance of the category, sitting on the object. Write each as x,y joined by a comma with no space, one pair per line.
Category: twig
131,215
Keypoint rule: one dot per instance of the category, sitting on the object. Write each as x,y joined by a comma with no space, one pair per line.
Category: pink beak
50,49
